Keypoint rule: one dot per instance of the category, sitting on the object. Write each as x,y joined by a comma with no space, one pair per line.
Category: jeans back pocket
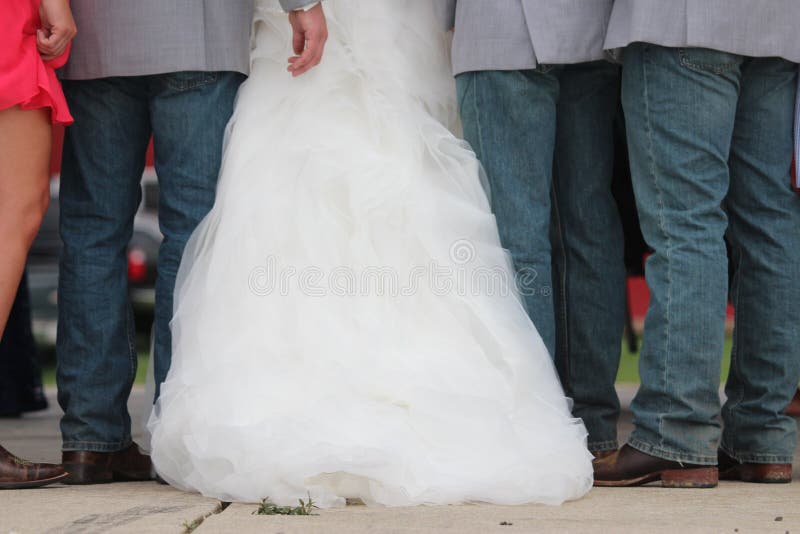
708,60
188,80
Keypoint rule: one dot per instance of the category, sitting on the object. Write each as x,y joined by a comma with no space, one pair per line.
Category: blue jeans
710,137
104,156
545,138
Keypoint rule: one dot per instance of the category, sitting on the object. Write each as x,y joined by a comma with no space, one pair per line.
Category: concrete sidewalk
150,507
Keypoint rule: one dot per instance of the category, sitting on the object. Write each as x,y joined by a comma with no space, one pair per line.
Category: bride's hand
310,34
58,28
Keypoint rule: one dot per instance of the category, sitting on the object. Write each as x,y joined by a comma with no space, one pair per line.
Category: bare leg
25,145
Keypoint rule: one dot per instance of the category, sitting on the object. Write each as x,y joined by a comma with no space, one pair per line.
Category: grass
49,371
268,508
142,349
191,526
629,364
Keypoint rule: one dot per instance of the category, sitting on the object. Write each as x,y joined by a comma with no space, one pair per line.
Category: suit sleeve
446,11
290,5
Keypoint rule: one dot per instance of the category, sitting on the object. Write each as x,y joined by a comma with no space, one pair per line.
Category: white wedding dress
345,320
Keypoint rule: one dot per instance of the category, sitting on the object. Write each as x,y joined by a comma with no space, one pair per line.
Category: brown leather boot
88,467
732,469
16,473
794,406
629,467
599,455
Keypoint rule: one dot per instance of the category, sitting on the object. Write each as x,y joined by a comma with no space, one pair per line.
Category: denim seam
668,454
132,363
562,306
470,87
208,78
96,446
704,67
475,110
600,446
744,457
765,459
732,404
668,240
131,332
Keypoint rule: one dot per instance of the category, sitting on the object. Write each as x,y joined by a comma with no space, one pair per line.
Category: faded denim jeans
545,138
104,156
710,137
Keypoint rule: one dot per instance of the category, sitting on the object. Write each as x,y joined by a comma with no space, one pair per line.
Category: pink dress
25,79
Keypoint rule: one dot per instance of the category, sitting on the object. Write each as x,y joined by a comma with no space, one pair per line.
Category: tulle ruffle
294,370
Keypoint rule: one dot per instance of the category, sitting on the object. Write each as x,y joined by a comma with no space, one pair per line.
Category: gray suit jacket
520,34
755,28
141,37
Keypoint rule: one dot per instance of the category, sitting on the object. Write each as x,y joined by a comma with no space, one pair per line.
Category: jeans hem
96,446
755,458
667,454
602,446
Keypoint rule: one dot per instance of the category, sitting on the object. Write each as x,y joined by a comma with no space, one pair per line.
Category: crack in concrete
194,525
99,523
